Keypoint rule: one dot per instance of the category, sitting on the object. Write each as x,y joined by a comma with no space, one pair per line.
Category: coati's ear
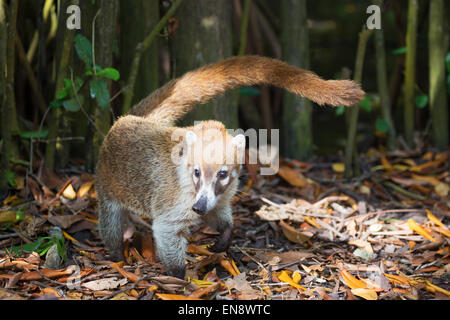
239,141
191,138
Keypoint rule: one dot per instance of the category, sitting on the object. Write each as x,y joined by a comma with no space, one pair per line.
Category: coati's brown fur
136,172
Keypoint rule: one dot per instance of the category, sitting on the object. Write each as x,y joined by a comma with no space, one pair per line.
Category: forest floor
304,233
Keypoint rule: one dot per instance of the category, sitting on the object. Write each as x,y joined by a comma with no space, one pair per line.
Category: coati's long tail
179,96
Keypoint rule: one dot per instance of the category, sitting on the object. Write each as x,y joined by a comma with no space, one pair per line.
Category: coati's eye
222,174
197,173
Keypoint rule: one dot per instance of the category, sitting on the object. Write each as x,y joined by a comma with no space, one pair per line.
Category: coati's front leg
221,219
171,247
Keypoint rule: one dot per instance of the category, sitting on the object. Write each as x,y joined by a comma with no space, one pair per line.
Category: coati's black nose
200,206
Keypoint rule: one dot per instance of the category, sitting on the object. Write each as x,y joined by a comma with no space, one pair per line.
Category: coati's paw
219,246
223,242
177,272
116,255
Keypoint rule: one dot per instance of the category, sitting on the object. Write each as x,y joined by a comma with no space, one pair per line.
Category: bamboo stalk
382,83
140,48
438,94
244,27
410,72
350,148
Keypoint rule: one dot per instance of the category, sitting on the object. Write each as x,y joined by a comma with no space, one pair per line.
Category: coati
136,172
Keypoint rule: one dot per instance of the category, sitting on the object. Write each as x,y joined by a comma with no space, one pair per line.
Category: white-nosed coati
136,171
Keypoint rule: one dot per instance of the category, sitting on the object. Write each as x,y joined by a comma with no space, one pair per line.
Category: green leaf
83,47
11,176
365,103
382,125
71,105
56,103
340,110
99,91
248,91
422,101
42,134
399,51
109,73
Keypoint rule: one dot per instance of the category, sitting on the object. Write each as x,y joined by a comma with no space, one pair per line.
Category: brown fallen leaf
246,292
64,222
295,235
292,176
205,291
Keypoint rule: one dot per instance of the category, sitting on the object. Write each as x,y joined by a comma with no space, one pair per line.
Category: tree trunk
438,92
297,113
137,19
382,82
410,72
9,124
203,36
57,152
105,30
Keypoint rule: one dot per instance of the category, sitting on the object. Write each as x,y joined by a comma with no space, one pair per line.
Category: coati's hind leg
171,246
221,219
113,222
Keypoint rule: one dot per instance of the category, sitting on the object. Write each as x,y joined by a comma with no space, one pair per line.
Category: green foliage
94,75
382,125
11,176
340,110
366,104
42,245
99,90
249,91
38,134
421,101
399,51
83,47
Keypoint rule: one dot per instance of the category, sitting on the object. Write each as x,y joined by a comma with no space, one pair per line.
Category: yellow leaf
84,189
338,167
442,189
8,216
432,288
365,293
296,277
201,283
415,227
422,166
433,219
284,277
431,180
164,296
399,279
192,248
444,231
229,266
385,163
312,222
69,193
351,281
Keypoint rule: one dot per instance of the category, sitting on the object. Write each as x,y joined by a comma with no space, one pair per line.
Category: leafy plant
43,244
97,77
421,101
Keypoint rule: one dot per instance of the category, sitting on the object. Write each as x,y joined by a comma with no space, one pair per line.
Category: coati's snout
200,206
